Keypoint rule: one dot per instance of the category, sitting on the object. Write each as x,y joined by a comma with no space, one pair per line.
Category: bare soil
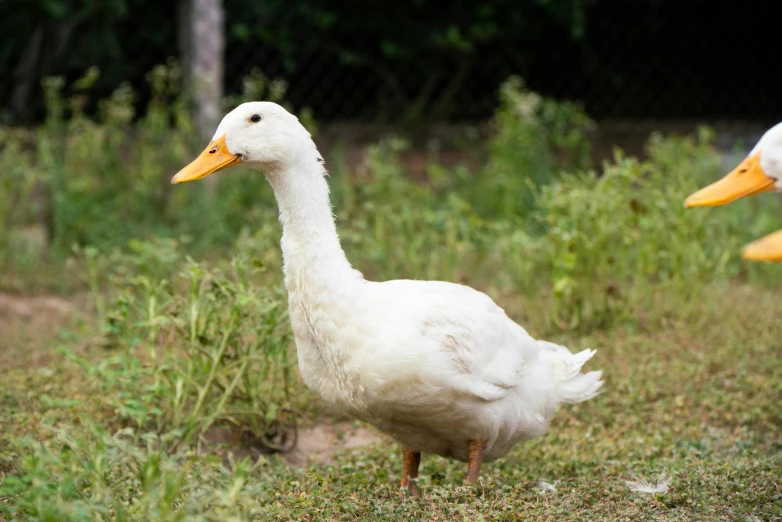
27,323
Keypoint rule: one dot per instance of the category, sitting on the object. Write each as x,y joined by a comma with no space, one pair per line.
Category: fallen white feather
546,488
642,486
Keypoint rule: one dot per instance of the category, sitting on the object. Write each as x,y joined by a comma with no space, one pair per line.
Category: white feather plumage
432,364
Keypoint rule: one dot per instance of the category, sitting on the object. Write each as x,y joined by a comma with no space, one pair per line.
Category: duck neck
310,244
323,289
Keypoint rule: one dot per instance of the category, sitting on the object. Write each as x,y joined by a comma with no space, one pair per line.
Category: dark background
419,60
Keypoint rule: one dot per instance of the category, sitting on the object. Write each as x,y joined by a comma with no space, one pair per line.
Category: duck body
437,366
406,357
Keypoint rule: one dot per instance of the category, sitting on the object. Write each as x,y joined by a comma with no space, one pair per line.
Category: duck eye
255,118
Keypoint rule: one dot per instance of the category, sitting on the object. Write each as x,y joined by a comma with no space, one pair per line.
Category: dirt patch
315,444
321,442
30,323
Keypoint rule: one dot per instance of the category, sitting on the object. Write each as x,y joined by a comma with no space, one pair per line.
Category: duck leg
410,461
475,452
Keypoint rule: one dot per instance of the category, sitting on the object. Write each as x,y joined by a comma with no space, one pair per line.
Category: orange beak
215,157
767,249
745,180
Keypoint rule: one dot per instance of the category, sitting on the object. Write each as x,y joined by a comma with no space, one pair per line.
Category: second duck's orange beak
215,157
745,180
767,249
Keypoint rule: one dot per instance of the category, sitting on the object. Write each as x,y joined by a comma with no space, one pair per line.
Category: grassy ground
157,388
693,404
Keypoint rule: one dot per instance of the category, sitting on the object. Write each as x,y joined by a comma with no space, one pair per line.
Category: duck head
260,135
761,171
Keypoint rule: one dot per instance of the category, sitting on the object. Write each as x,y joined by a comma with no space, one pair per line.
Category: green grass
695,403
171,391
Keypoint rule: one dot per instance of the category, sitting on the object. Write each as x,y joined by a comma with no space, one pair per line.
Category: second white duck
761,171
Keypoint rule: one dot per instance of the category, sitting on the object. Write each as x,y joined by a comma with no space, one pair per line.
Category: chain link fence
413,61
637,59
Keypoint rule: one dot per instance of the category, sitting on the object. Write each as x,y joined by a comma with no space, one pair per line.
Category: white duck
761,171
438,366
